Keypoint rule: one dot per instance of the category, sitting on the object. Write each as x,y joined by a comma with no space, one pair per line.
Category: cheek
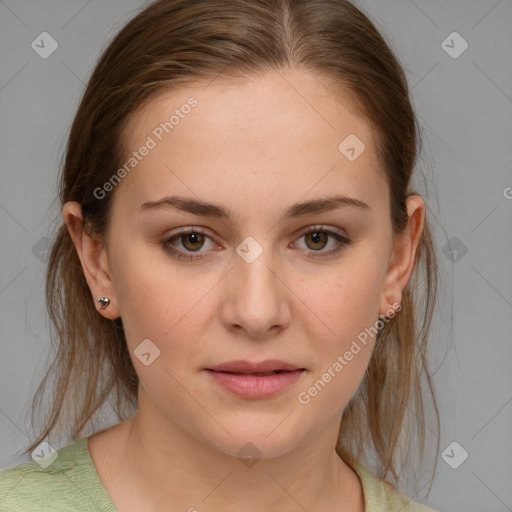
158,302
342,318
145,302
343,304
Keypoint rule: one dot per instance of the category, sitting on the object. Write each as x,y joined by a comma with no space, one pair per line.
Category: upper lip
269,365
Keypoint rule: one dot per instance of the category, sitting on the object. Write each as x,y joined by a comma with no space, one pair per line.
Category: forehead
279,133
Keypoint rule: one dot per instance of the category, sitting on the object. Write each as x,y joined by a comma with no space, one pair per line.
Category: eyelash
341,242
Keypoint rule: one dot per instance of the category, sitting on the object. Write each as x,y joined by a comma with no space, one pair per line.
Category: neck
174,470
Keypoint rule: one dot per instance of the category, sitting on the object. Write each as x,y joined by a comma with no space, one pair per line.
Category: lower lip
254,386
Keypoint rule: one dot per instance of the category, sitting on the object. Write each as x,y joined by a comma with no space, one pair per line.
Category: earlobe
392,307
403,260
93,258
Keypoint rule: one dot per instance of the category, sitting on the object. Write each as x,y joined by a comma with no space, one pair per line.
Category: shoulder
63,480
381,496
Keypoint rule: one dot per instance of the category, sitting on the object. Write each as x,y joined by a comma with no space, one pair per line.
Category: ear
94,259
402,260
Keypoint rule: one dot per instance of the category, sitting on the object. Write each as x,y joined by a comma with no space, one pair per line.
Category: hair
172,43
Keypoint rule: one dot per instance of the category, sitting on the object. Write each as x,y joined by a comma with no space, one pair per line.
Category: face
250,276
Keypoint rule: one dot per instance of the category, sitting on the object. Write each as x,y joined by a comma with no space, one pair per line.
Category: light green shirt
70,483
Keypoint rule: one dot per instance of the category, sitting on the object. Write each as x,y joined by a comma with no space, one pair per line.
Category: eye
191,239
317,238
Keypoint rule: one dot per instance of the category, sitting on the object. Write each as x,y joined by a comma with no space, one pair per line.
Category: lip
245,379
241,366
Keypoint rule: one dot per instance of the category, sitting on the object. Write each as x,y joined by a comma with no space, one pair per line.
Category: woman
235,263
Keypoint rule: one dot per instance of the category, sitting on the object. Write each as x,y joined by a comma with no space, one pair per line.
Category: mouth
256,374
255,380
268,367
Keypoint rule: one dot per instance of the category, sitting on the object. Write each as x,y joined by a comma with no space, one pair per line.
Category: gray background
465,107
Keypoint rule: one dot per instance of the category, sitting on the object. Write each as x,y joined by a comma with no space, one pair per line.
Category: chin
249,450
255,441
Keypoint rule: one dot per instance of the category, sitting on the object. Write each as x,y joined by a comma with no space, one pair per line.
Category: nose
256,298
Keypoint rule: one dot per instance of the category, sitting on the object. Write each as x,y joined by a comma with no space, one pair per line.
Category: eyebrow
207,209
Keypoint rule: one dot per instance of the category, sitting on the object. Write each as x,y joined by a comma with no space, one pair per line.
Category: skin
255,148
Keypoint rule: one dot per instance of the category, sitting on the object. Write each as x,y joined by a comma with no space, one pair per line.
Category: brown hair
174,42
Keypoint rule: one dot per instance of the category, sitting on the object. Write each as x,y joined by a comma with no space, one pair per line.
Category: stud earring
104,301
